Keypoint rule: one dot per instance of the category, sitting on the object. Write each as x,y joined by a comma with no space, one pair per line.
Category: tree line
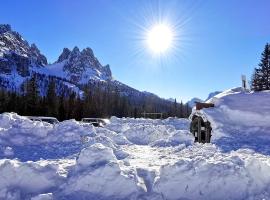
97,100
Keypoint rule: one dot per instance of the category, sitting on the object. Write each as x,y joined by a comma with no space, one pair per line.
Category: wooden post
199,130
207,134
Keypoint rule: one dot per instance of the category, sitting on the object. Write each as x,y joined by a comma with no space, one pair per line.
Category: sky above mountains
215,41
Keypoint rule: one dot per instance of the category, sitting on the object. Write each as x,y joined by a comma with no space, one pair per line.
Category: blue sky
217,41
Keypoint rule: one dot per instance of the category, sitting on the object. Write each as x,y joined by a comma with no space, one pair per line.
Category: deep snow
240,119
135,158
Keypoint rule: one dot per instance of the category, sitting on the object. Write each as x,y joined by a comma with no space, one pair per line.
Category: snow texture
140,158
240,119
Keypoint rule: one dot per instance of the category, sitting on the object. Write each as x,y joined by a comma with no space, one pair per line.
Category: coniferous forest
97,100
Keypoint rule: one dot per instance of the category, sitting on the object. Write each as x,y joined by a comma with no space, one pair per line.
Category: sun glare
159,38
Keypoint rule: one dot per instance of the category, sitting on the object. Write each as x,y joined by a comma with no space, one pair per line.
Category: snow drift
127,159
240,119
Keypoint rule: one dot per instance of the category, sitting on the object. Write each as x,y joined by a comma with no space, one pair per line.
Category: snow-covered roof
238,113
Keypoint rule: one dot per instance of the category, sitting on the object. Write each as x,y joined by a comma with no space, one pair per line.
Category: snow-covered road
128,159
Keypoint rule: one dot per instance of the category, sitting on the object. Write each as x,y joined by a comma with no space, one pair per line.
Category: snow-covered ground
129,159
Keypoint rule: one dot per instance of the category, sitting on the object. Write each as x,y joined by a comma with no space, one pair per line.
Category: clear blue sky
217,41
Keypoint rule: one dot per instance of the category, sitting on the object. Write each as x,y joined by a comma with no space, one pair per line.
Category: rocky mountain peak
76,50
17,54
64,55
5,28
81,66
88,52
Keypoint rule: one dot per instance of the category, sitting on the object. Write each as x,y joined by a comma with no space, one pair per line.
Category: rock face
82,66
16,54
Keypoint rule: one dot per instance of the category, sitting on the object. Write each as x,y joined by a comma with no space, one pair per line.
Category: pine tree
256,80
32,96
61,109
175,107
51,98
261,76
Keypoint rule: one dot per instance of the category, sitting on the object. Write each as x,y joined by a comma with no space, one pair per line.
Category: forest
97,100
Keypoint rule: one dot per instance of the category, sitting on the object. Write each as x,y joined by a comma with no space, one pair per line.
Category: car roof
40,117
93,118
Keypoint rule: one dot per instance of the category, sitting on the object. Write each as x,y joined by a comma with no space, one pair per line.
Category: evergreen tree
32,96
51,98
175,107
261,76
61,109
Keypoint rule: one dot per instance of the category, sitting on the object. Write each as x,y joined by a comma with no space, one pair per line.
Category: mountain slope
74,71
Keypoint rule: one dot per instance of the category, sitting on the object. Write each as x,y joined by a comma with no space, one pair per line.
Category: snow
133,158
57,69
240,119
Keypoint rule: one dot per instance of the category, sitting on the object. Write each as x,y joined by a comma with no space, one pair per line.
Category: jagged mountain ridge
73,69
16,54
79,66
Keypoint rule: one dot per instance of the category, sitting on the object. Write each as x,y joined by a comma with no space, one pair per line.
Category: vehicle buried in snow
98,122
50,120
200,127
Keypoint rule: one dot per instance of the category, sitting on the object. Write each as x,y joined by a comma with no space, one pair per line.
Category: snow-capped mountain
74,69
16,55
79,66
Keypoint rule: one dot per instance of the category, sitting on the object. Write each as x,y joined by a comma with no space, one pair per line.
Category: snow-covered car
98,122
50,120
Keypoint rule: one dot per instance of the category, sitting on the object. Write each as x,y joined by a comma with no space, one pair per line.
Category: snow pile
203,172
151,131
128,159
18,130
94,155
31,140
240,119
21,179
100,174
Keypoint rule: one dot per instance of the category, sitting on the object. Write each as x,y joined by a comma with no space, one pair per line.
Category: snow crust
127,159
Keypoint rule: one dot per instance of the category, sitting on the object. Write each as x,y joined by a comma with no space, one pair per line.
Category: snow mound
150,131
95,155
48,196
130,159
18,130
100,175
203,172
240,119
20,179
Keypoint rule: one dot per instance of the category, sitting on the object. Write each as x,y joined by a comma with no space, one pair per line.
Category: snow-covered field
129,159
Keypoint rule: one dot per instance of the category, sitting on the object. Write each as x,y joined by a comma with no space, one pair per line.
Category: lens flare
159,38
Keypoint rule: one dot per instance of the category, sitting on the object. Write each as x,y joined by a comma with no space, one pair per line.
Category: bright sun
159,38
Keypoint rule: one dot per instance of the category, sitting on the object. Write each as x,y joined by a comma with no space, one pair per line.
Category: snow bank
129,159
17,179
203,172
240,119
151,131
94,155
18,130
100,175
